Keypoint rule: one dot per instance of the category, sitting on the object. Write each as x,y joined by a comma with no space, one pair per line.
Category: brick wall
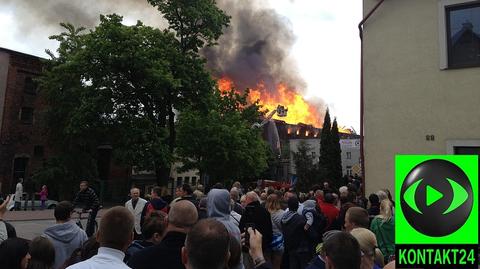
20,135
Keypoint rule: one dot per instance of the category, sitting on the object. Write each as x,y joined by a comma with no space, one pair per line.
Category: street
30,229
29,224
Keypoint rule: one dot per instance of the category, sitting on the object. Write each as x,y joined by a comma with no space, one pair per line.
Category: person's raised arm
3,207
255,249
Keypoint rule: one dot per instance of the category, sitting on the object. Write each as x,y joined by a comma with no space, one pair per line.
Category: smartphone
247,235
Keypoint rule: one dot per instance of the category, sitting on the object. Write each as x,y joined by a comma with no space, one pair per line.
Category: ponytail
386,210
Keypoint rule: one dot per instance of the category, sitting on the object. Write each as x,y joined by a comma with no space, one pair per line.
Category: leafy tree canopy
221,142
195,22
108,85
304,166
124,85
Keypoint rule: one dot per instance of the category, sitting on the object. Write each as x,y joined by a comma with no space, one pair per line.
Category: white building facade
421,78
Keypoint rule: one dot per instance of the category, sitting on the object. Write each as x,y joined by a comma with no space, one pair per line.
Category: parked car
37,204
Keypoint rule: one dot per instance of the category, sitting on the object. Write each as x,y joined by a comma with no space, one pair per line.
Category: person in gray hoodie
219,208
65,235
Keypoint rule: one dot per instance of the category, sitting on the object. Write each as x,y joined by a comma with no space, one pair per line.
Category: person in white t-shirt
114,235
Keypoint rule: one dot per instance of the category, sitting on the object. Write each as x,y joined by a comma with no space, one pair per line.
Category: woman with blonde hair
276,213
372,257
383,226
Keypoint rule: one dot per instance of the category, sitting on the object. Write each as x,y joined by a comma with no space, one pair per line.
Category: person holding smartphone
256,215
252,239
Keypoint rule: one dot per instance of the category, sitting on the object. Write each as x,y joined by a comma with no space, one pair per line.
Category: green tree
114,85
195,22
221,143
325,140
124,85
304,166
330,162
336,155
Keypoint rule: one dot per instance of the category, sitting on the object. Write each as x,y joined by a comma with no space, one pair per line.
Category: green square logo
436,199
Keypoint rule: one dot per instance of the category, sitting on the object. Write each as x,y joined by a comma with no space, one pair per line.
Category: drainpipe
360,29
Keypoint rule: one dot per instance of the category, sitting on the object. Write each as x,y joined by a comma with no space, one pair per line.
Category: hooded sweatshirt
218,207
155,204
65,237
293,232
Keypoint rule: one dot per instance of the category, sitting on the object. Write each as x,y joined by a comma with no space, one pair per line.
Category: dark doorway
19,170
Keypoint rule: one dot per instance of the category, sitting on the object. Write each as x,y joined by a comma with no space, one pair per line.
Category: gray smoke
255,48
38,19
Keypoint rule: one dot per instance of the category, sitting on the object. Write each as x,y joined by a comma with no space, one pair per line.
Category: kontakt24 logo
436,215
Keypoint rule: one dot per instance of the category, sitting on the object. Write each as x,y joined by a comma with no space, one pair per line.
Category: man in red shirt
328,208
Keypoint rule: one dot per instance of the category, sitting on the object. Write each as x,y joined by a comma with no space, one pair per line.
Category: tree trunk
162,175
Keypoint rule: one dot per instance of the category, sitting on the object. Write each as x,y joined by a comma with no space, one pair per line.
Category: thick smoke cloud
41,18
255,47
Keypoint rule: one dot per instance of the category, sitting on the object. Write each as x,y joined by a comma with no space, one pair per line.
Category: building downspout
362,151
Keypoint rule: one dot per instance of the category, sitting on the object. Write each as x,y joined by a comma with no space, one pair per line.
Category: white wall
407,95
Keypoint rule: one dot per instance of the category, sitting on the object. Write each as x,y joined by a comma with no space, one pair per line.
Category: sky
327,49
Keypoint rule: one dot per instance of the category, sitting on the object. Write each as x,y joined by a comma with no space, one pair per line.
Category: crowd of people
221,228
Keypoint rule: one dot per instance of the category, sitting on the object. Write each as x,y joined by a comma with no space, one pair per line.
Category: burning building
292,134
285,132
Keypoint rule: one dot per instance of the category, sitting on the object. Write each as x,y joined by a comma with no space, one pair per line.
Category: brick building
23,143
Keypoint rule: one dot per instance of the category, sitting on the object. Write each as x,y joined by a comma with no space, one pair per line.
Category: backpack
318,226
150,209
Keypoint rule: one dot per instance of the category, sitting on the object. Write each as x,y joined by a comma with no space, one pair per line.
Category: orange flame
344,130
225,85
299,110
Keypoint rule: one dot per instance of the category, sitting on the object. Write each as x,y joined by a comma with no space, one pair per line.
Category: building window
187,180
463,35
349,155
349,170
459,28
38,151
26,115
314,154
179,181
30,86
194,181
